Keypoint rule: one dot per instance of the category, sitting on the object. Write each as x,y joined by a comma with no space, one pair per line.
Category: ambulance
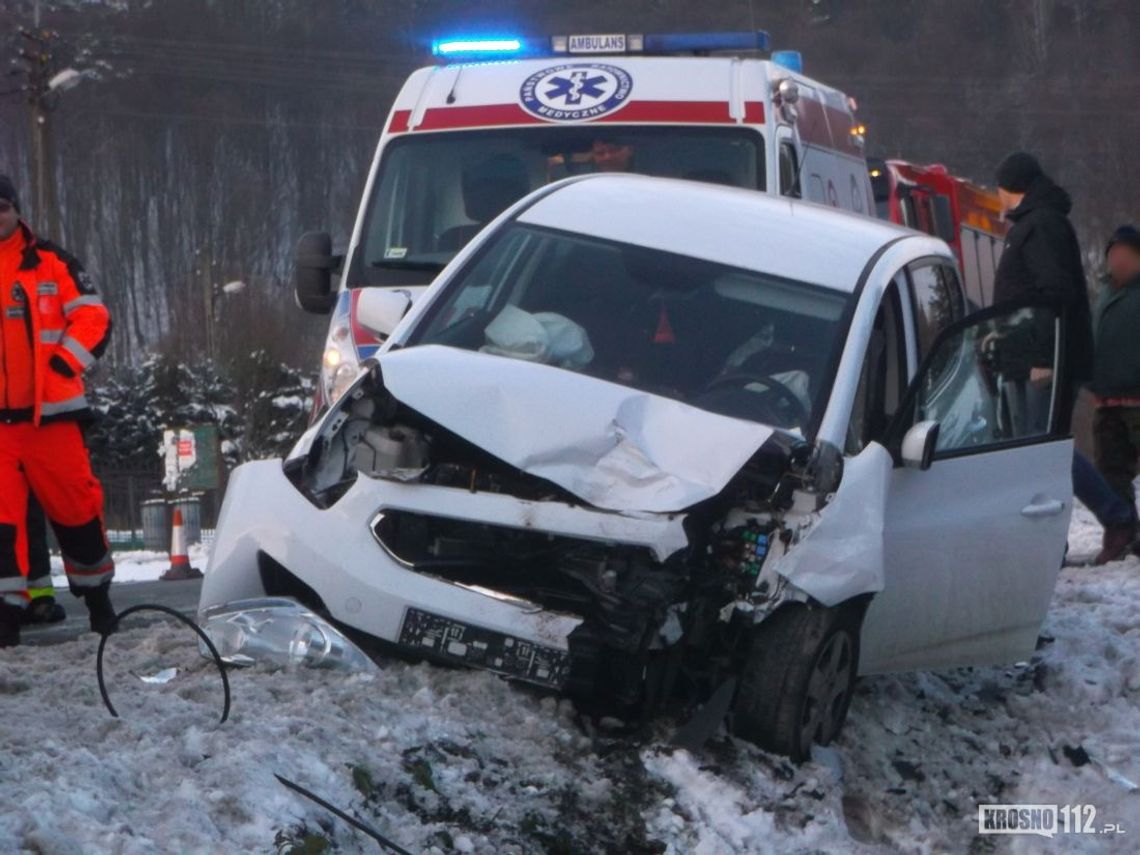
497,118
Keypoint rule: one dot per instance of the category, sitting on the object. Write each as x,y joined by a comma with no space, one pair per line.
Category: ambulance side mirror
788,91
381,309
314,264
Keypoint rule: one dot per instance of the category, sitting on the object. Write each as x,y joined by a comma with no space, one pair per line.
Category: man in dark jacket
1042,258
1116,370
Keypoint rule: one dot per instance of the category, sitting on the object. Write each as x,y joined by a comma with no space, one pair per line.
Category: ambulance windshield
436,191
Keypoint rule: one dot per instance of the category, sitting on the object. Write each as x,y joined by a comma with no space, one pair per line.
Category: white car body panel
841,556
740,228
358,582
969,575
611,446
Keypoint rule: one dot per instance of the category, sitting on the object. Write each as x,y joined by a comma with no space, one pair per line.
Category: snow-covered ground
137,565
446,760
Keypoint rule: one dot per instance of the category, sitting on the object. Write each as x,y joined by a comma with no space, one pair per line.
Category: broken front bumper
335,556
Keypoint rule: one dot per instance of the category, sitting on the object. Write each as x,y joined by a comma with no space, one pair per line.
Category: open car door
973,544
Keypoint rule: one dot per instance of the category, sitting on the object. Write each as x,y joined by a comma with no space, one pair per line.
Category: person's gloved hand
60,366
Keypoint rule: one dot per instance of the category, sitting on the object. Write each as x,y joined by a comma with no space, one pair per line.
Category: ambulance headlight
281,633
339,366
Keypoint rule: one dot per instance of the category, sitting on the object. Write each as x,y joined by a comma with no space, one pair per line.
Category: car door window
882,379
938,302
992,381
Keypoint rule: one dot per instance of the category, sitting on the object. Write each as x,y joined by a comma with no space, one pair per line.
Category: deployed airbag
545,337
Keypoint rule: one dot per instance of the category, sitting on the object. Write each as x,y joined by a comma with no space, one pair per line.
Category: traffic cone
179,560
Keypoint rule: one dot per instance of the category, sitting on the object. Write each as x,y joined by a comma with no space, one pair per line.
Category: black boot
102,613
44,610
10,619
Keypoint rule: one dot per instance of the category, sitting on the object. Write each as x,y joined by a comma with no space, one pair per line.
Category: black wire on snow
358,824
181,617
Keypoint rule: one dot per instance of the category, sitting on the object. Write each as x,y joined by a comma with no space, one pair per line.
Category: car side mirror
314,263
382,309
918,446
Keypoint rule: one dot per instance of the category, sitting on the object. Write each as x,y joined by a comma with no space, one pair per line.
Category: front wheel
797,682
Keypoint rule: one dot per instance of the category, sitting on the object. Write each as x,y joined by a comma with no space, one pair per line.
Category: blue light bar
706,42
489,47
789,59
476,48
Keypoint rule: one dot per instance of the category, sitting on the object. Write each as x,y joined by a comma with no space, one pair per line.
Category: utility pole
37,54
205,271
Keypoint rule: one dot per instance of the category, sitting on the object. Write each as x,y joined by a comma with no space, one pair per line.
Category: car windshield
727,340
436,191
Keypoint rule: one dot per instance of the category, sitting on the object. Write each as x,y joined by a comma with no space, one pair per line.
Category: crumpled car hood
613,447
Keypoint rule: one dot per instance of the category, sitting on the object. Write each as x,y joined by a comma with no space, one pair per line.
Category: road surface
182,596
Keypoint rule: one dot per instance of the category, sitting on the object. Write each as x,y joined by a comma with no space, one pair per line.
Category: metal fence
125,492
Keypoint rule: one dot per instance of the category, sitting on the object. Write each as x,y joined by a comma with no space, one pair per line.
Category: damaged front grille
619,584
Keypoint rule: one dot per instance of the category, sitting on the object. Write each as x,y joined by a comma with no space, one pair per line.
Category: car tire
798,679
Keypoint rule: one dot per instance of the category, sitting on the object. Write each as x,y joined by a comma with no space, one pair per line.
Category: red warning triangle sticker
664,334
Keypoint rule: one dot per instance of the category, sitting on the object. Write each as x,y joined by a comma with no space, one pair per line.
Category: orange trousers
52,461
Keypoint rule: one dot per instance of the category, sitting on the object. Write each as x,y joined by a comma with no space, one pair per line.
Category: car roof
741,228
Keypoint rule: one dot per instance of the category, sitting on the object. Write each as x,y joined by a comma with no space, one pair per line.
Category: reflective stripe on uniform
14,600
89,578
85,300
79,567
81,354
47,289
11,584
39,581
51,336
89,575
68,406
38,593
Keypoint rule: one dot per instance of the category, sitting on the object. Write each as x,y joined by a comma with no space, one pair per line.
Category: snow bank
137,565
446,760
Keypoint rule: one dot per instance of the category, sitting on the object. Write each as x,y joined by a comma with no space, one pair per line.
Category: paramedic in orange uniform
53,326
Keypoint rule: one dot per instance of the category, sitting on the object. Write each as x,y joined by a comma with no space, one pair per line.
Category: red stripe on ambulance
496,115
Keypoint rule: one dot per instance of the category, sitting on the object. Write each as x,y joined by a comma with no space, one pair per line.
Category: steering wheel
799,412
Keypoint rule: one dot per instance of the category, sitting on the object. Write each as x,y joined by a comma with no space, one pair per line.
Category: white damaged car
647,441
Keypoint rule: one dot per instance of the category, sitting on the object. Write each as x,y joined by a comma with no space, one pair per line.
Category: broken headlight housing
280,632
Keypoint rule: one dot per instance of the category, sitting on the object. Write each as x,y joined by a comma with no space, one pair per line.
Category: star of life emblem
576,92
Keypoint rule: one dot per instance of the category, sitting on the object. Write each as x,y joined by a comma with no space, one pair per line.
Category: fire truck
495,119
965,215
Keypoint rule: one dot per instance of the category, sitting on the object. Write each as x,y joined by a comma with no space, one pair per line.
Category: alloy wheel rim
828,689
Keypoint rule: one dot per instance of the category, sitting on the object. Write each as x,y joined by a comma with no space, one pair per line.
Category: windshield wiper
409,264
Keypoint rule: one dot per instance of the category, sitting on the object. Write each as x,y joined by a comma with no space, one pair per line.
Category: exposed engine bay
660,617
